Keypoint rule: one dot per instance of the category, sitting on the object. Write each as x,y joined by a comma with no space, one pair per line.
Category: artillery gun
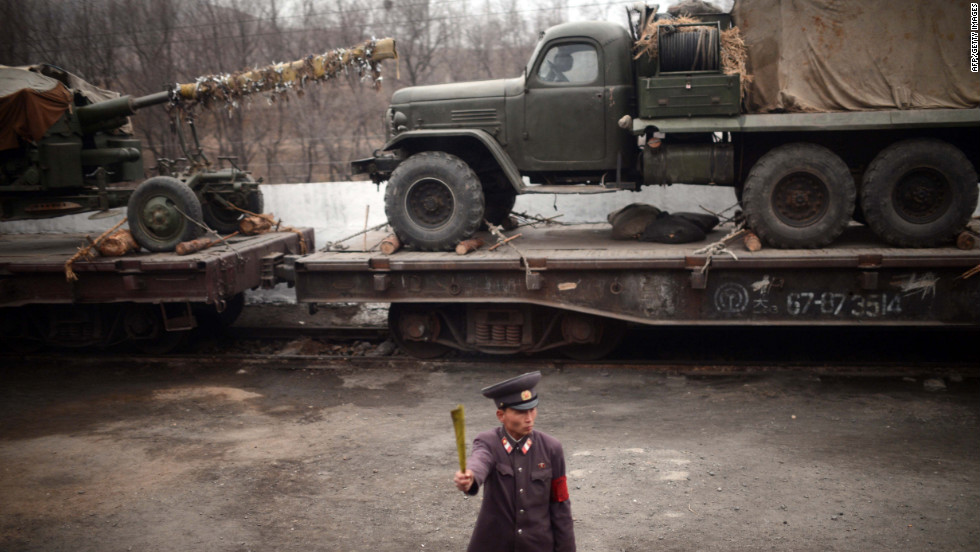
65,146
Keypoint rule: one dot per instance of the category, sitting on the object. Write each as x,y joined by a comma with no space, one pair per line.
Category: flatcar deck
580,268
32,270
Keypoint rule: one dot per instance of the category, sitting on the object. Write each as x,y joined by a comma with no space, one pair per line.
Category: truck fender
434,140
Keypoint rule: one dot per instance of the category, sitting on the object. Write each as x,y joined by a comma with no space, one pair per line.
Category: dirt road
190,458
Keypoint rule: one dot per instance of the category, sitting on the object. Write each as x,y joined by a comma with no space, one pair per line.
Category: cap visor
526,406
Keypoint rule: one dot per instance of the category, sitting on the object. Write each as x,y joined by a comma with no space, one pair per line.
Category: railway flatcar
152,300
574,289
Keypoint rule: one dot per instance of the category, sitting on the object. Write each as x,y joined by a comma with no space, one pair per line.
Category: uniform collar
523,444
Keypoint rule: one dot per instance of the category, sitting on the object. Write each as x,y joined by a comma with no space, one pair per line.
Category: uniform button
520,531
520,512
522,490
520,469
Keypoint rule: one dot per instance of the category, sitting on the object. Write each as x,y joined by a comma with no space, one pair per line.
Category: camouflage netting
362,61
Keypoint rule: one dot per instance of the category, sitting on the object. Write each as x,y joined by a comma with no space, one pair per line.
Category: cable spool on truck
830,121
68,144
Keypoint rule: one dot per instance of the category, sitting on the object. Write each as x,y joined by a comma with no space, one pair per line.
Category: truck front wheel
919,193
799,196
433,201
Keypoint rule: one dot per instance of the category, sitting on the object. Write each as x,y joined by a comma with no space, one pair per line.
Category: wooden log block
251,226
193,246
752,242
966,240
118,244
390,244
466,246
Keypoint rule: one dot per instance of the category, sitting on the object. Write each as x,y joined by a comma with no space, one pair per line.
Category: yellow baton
459,424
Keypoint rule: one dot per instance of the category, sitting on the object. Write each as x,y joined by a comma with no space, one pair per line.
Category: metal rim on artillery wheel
224,220
433,201
919,193
158,214
799,195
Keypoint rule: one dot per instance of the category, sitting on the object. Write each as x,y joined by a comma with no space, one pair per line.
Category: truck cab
555,125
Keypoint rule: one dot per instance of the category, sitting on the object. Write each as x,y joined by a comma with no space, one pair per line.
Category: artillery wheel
799,195
224,220
158,214
414,328
919,193
433,201
596,336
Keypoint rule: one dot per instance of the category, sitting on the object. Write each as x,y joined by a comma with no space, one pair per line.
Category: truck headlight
399,121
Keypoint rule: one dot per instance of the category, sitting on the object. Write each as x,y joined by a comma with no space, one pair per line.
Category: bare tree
140,47
423,28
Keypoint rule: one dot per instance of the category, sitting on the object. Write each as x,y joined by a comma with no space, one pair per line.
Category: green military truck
866,112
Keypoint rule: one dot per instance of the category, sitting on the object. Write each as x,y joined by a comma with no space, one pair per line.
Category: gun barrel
111,113
151,99
361,59
103,115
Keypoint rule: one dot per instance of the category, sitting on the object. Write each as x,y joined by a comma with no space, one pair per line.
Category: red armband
559,489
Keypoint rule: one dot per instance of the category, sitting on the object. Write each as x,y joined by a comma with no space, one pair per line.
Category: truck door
564,119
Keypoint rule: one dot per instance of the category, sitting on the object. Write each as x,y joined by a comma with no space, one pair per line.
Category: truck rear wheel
919,193
162,212
433,201
799,196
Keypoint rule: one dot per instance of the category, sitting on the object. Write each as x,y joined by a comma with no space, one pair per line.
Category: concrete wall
337,209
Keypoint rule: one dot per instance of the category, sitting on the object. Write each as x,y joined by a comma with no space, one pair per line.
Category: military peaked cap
517,393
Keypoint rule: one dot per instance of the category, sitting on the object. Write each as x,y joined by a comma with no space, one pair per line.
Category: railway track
956,372
901,352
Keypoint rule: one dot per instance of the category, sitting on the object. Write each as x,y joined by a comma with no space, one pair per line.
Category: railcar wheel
158,213
596,337
212,321
18,332
433,201
799,195
414,329
145,328
225,220
919,193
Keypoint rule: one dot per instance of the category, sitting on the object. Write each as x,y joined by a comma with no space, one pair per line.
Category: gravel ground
225,458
